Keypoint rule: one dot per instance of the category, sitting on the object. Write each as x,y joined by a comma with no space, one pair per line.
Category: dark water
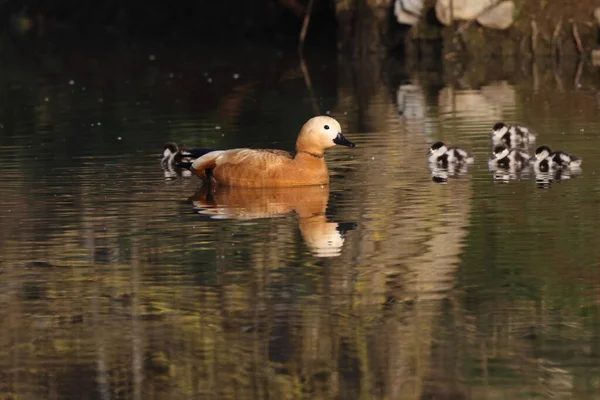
119,284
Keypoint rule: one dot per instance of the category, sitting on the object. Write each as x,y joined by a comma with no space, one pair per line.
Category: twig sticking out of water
305,25
578,73
577,38
534,37
308,83
556,48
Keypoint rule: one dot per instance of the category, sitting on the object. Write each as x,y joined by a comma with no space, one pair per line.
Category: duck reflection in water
545,178
324,238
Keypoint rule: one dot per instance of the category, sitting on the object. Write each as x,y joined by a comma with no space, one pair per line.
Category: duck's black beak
340,139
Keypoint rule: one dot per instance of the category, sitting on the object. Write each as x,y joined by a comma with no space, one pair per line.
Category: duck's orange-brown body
275,168
262,168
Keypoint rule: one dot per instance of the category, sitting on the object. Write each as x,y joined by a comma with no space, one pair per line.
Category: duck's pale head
542,152
320,133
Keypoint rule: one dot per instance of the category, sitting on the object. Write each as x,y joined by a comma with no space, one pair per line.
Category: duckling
558,159
275,168
512,136
507,159
174,155
443,156
175,158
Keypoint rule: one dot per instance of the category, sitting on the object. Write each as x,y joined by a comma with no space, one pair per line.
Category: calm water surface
117,283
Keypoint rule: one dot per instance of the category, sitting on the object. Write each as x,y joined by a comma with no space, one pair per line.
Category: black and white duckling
512,136
443,156
548,159
174,155
175,158
509,159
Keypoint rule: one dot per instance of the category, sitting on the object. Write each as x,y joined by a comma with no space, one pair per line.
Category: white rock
411,102
596,58
408,12
414,7
597,15
462,9
499,17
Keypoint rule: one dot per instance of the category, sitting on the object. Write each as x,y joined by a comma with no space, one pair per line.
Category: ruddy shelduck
275,168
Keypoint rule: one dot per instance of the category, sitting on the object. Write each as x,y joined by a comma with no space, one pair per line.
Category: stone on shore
499,16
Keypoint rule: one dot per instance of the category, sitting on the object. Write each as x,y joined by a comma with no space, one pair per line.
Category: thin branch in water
578,73
307,81
577,38
305,25
534,37
557,70
556,48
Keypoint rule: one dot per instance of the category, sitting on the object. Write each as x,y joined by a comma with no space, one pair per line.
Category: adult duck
275,168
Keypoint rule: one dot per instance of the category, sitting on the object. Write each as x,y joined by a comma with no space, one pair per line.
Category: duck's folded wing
254,157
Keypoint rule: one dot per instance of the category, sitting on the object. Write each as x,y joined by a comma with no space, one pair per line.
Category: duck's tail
576,162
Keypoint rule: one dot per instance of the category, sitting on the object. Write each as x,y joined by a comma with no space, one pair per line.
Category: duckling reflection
545,178
172,172
441,174
324,238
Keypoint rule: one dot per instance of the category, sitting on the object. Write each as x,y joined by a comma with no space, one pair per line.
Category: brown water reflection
324,238
117,284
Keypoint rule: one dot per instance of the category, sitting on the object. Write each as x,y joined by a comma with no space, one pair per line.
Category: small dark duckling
547,159
173,155
443,156
512,136
509,159
175,159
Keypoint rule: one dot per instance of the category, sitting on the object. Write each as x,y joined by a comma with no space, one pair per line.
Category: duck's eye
326,127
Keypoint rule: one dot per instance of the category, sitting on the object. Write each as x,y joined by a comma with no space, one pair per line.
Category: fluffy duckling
543,162
443,156
173,155
512,136
275,168
548,159
509,159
